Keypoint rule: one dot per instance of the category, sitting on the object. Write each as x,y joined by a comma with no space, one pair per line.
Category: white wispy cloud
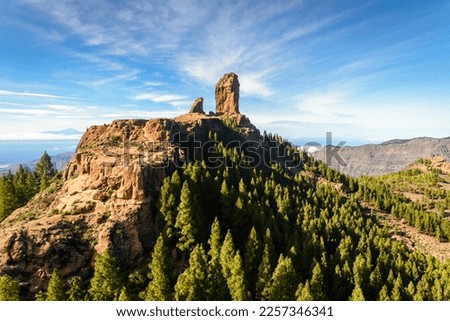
33,109
99,82
153,83
65,108
37,95
28,112
209,39
172,99
101,61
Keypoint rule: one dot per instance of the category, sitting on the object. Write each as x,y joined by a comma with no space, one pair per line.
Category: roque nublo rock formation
227,94
106,197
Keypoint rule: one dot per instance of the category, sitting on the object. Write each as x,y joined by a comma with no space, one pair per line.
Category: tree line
17,189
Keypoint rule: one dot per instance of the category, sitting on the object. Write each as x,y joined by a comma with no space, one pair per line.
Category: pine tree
44,171
226,203
159,288
236,281
123,296
357,294
317,283
9,289
22,190
55,289
214,241
342,282
41,296
8,199
282,285
384,294
76,290
239,217
303,292
232,269
252,257
227,253
216,280
187,221
361,270
167,204
264,273
106,283
136,284
397,291
191,284
410,290
376,282
437,291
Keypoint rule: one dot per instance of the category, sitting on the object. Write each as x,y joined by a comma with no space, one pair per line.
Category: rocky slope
106,197
387,157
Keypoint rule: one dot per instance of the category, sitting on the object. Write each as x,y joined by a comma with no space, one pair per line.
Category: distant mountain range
59,162
387,157
67,132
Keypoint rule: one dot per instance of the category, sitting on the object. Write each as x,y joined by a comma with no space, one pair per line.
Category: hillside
425,185
391,156
204,207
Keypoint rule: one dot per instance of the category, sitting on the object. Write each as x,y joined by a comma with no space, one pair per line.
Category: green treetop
55,289
159,288
9,289
192,283
106,283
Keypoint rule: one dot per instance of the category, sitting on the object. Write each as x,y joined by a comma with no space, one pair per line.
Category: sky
367,71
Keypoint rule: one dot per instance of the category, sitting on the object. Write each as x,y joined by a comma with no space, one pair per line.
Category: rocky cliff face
227,94
106,197
387,157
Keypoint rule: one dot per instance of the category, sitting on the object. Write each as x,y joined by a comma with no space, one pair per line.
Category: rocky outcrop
227,94
197,106
106,197
387,157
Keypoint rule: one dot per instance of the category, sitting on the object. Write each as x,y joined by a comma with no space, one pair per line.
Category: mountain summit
106,197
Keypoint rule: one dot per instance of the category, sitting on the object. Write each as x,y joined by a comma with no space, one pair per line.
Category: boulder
197,106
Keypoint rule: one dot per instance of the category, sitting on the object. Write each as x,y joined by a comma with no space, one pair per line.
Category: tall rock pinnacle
227,94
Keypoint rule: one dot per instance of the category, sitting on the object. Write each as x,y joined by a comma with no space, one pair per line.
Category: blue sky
367,71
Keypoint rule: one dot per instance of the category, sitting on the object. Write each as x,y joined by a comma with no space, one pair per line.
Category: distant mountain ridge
387,157
67,131
59,162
